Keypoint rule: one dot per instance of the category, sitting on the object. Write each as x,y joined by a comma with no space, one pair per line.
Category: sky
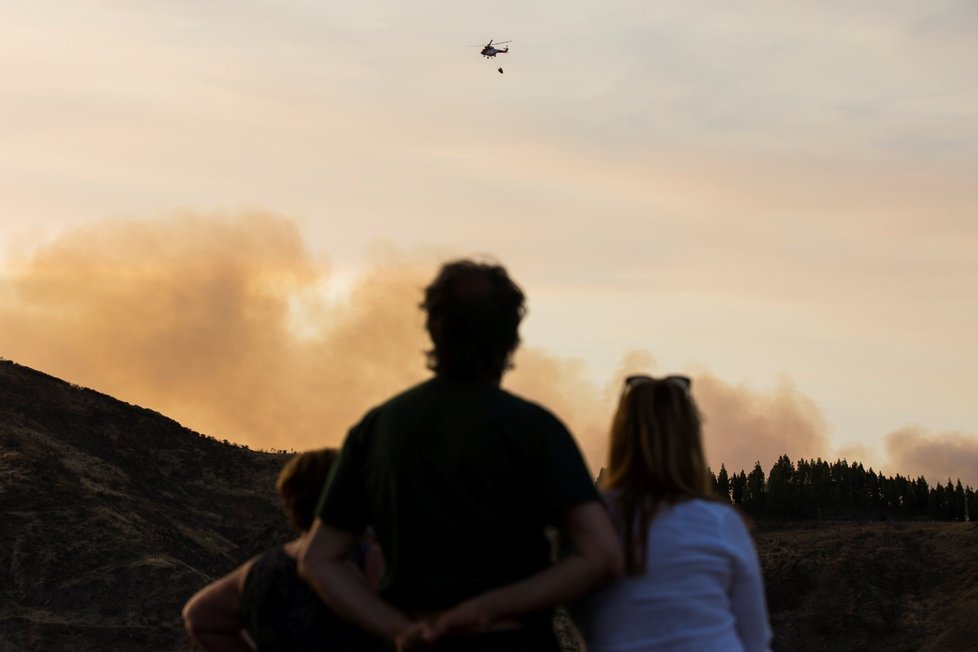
226,211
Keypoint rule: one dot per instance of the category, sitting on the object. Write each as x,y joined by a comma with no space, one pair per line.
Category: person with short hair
264,605
459,479
692,576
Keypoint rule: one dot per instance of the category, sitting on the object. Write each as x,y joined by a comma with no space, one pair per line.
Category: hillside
888,586
112,515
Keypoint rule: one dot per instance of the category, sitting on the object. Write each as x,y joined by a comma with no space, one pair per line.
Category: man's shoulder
421,398
412,393
530,409
537,414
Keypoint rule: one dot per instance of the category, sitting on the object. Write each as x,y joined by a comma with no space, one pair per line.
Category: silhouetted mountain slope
111,515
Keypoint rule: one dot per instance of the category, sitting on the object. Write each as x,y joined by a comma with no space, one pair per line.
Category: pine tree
723,484
935,502
957,503
738,487
755,499
949,502
858,484
922,495
780,485
872,490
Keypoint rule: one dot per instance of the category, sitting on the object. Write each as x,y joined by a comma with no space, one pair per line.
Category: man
459,479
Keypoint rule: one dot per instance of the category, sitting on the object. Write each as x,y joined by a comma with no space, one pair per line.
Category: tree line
817,489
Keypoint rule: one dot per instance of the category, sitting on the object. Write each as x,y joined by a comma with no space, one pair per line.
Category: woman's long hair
655,455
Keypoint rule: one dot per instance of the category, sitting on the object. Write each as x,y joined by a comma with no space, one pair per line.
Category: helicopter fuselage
490,51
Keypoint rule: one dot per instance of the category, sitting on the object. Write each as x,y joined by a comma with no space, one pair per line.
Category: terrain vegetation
112,515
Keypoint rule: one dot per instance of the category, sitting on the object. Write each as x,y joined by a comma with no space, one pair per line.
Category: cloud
562,385
856,453
195,316
744,425
937,456
741,425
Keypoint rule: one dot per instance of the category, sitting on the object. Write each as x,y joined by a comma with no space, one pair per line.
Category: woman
263,605
692,577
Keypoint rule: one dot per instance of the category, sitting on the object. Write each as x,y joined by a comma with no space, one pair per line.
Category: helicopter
490,50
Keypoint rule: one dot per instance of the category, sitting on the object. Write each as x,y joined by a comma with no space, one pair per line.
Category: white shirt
701,591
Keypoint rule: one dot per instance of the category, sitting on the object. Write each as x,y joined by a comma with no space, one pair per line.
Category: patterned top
283,613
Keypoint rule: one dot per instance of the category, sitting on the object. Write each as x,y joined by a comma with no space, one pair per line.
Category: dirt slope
112,515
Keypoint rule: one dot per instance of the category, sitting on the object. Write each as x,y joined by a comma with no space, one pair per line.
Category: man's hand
595,558
470,617
414,637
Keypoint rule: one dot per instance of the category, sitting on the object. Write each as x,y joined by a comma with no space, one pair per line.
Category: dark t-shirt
458,479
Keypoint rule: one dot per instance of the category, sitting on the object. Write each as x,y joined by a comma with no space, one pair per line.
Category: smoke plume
742,425
936,456
221,323
192,316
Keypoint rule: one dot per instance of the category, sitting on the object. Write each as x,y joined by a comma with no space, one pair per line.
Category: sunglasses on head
682,382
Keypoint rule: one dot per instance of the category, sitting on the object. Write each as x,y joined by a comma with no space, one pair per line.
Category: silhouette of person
692,576
459,479
264,605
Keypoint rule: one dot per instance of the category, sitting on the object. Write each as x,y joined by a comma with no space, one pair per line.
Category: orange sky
779,200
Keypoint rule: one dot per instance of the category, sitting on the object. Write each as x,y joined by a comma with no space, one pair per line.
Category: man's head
474,312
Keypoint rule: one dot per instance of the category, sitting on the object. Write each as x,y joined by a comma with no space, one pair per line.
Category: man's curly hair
474,312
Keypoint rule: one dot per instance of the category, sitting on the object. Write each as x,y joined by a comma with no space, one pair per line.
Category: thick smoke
936,456
742,425
195,316
191,316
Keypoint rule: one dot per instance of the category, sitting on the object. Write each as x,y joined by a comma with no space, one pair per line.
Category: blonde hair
655,455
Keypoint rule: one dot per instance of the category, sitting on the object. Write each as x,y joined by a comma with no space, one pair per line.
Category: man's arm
324,564
595,558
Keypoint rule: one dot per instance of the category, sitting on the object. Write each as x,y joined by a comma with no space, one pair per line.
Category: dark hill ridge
111,515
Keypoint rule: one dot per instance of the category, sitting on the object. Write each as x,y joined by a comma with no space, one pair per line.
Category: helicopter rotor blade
490,44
